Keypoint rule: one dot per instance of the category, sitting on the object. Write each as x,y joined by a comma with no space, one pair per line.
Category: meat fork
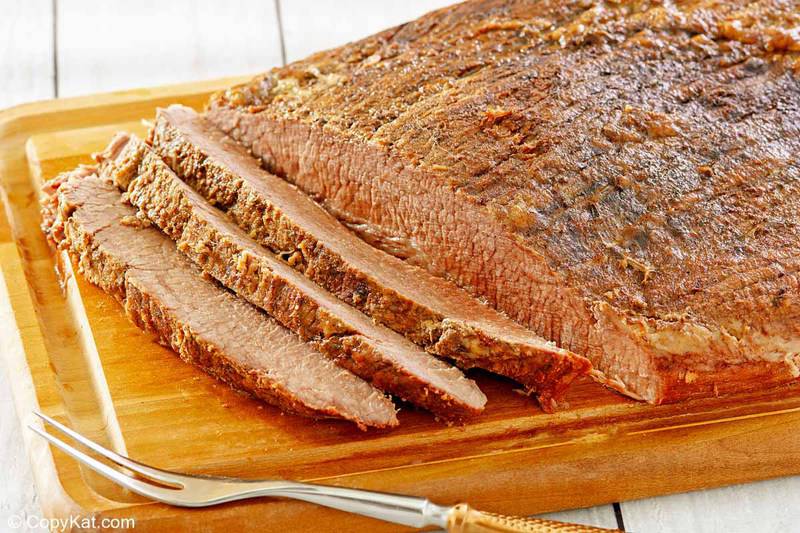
184,490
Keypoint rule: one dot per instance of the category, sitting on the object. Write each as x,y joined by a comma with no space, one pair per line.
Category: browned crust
271,285
542,367
637,157
109,273
658,377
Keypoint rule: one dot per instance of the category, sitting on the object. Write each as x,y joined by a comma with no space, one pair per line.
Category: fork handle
399,509
420,512
464,519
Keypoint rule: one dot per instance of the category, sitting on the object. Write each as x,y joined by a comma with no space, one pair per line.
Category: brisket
430,311
621,177
165,294
224,251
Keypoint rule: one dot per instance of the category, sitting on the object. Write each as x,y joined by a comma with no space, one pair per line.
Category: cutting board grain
73,355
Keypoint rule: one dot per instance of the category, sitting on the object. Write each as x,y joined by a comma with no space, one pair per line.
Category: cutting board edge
18,124
158,512
72,103
53,496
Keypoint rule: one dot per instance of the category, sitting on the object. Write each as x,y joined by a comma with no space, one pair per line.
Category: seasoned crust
621,177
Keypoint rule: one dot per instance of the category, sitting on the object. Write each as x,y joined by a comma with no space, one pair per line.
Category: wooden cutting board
73,355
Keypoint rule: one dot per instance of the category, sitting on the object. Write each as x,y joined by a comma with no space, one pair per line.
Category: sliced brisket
621,177
165,294
224,251
430,311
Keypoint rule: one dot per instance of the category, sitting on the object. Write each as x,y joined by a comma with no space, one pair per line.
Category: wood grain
104,46
514,459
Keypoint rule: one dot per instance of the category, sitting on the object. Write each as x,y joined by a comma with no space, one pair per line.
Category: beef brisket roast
621,177
224,251
165,294
433,313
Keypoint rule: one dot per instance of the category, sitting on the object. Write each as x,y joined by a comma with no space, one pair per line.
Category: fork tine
162,476
139,487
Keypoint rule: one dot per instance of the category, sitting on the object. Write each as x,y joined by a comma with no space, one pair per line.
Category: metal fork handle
411,511
407,510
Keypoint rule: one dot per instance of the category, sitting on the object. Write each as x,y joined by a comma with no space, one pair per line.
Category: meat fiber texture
225,252
163,293
621,177
428,310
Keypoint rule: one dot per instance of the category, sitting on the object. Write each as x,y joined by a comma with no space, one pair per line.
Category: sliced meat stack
224,251
431,312
621,177
165,294
538,189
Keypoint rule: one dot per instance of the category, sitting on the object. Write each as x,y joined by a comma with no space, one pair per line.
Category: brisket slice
433,313
221,249
622,178
165,294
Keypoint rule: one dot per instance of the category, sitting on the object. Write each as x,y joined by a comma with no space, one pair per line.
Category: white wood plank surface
26,51
26,74
313,25
18,499
600,516
105,45
765,507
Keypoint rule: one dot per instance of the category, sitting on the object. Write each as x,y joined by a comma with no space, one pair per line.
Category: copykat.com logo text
70,523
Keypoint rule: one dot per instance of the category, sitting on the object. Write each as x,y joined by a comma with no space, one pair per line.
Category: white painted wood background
57,48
